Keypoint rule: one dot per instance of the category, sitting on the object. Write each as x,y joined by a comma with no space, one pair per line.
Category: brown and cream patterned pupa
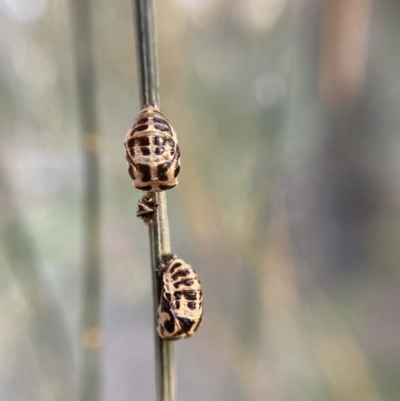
152,152
180,310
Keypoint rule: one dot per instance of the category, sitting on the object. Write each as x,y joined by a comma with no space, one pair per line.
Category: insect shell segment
147,208
180,310
152,152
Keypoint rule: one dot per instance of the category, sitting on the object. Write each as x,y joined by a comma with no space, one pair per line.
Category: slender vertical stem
146,51
164,350
159,231
91,332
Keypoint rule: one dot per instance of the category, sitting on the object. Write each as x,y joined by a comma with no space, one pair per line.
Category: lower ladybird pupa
180,311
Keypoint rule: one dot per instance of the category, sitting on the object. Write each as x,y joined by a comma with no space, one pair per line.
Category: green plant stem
159,231
90,329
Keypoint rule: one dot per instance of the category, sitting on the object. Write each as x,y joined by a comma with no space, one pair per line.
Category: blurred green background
288,207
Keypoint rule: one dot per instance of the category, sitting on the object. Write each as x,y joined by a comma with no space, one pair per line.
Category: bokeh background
288,207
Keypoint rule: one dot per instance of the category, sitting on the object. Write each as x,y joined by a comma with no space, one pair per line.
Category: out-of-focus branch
344,27
91,332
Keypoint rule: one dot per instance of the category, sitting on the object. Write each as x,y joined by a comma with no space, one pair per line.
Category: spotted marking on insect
180,310
147,208
152,152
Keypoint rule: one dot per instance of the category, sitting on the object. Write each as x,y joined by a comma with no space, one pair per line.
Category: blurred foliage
287,207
